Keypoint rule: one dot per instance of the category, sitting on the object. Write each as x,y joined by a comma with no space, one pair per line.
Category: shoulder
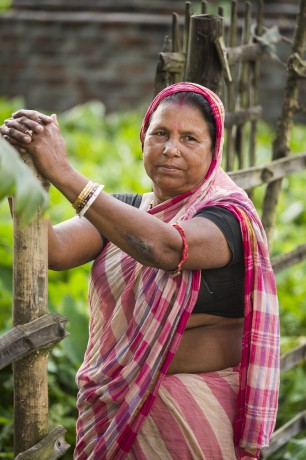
229,225
133,199
222,217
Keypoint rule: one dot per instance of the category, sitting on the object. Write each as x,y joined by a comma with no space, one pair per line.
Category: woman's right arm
72,243
75,241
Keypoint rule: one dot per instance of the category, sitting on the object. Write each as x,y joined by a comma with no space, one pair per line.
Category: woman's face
177,149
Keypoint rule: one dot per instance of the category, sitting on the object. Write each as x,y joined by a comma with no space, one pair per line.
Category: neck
159,197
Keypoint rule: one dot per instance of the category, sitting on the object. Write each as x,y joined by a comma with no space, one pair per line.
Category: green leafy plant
17,180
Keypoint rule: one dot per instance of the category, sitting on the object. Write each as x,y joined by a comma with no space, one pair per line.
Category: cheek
202,164
150,150
146,159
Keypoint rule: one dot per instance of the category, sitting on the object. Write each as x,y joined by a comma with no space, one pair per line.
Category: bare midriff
209,343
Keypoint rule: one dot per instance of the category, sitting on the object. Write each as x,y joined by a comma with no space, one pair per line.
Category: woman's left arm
155,243
141,235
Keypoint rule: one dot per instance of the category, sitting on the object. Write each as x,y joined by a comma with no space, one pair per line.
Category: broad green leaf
16,179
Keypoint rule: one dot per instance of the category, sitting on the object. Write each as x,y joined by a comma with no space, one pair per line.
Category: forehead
178,112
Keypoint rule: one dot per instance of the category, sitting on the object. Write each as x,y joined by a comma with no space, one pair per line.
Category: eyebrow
165,128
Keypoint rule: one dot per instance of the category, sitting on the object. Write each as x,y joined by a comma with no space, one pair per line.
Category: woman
182,359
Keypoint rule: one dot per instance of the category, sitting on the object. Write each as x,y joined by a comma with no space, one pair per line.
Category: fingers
15,144
17,131
24,124
37,117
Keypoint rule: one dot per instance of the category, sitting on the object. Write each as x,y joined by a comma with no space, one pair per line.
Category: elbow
54,268
151,254
169,260
163,258
54,263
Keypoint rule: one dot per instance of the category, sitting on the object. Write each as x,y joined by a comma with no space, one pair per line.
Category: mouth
169,168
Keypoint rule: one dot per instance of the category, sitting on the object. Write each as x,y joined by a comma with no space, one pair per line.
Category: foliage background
107,149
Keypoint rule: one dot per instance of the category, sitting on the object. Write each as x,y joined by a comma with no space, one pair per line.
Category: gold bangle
82,194
87,197
91,200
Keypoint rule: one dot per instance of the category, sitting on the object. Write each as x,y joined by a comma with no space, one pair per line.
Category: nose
171,149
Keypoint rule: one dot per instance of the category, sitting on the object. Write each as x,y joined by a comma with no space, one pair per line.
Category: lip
169,168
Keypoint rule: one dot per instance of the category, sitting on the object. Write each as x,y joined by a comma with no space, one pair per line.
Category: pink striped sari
138,315
192,417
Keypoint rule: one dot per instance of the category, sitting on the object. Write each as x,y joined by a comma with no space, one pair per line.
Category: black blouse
222,289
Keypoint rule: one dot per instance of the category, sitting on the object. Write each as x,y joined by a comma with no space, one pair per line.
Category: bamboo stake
187,25
204,7
230,91
255,84
161,76
283,129
244,99
204,30
30,302
221,11
176,44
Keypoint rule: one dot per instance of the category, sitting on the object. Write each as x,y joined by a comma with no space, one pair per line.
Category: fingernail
39,128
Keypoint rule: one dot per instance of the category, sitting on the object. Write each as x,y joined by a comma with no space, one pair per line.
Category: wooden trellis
202,55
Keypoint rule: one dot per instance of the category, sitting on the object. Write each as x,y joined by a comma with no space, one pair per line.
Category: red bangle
178,270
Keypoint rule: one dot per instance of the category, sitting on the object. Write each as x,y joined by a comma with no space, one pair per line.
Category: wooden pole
30,302
202,64
255,85
231,131
161,76
186,25
204,7
244,86
281,142
176,43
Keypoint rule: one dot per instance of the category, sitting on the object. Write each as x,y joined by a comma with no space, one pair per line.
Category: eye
160,133
189,138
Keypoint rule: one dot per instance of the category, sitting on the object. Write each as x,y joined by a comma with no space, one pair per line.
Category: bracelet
87,197
91,200
178,270
82,194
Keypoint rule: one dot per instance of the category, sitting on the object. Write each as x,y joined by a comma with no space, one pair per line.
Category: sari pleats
192,417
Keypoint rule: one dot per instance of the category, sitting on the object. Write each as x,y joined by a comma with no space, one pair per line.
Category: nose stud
165,151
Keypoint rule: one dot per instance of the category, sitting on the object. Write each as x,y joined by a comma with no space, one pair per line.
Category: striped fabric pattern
138,315
192,417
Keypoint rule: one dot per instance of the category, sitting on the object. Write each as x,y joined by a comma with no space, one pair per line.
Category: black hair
198,101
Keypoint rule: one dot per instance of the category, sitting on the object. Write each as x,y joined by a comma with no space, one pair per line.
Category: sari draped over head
138,315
